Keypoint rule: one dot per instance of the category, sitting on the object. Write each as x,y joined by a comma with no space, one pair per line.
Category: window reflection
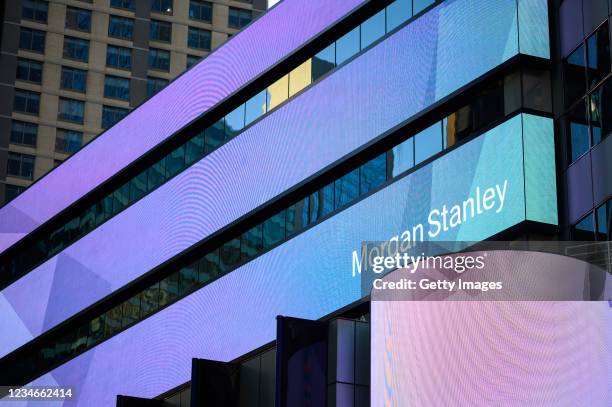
215,135
131,311
427,143
346,189
252,243
324,62
322,202
598,54
188,279
373,174
168,289
209,267
585,229
398,12
420,5
347,46
278,92
574,76
229,255
372,29
601,112
234,122
255,107
274,230
300,77
578,130
297,217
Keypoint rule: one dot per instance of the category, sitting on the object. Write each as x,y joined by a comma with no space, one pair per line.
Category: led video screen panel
502,353
311,275
372,94
247,55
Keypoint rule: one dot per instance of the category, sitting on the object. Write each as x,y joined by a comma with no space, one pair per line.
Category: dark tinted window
23,133
71,110
346,189
574,76
111,115
159,59
200,10
601,112
127,4
68,141
36,10
199,39
76,48
118,57
578,130
598,55
33,40
160,31
120,27
28,70
274,230
154,85
162,6
20,165
116,87
238,17
324,62
585,229
26,101
73,79
373,174
78,19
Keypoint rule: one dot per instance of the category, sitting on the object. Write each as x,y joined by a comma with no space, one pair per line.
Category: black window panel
175,161
346,189
574,71
20,165
297,217
138,186
157,174
131,311
73,79
192,60
194,149
120,27
96,331
160,31
598,55
209,267
578,130
229,256
99,212
585,229
112,322
35,10
107,205
26,101
33,40
121,198
80,339
11,192
71,230
64,345
168,289
373,173
200,10
602,225
149,300
274,230
126,4
252,243
188,279
78,19
29,70
56,241
87,221
488,106
76,48
215,135
23,133
322,202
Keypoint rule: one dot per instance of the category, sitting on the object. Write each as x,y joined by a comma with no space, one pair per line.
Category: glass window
255,107
398,12
73,79
230,255
585,229
33,40
322,202
118,57
26,101
428,143
278,92
159,59
603,222
175,161
401,158
168,289
194,148
80,342
111,115
192,60
252,243
28,70
209,267
121,198
574,68
116,87
536,90
598,55
162,6
71,110
198,39
200,10
234,122
157,174
578,131
188,279
149,300
300,77
154,85
138,186
20,165
346,189
347,46
215,135
324,62
127,4
131,311
160,31
373,174
239,18
601,112
76,48
274,230
420,5
11,192
96,331
23,133
78,19
372,29
297,217
36,10
121,27
68,141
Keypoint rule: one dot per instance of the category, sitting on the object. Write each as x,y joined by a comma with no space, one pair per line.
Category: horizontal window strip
48,241
494,102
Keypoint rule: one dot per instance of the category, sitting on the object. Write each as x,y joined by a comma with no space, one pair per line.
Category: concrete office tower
70,69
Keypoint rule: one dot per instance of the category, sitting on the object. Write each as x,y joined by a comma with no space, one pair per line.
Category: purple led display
272,37
294,143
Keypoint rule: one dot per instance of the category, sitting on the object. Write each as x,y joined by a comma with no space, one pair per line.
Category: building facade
215,257
79,66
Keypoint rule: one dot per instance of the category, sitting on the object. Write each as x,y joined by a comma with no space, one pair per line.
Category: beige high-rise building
69,69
